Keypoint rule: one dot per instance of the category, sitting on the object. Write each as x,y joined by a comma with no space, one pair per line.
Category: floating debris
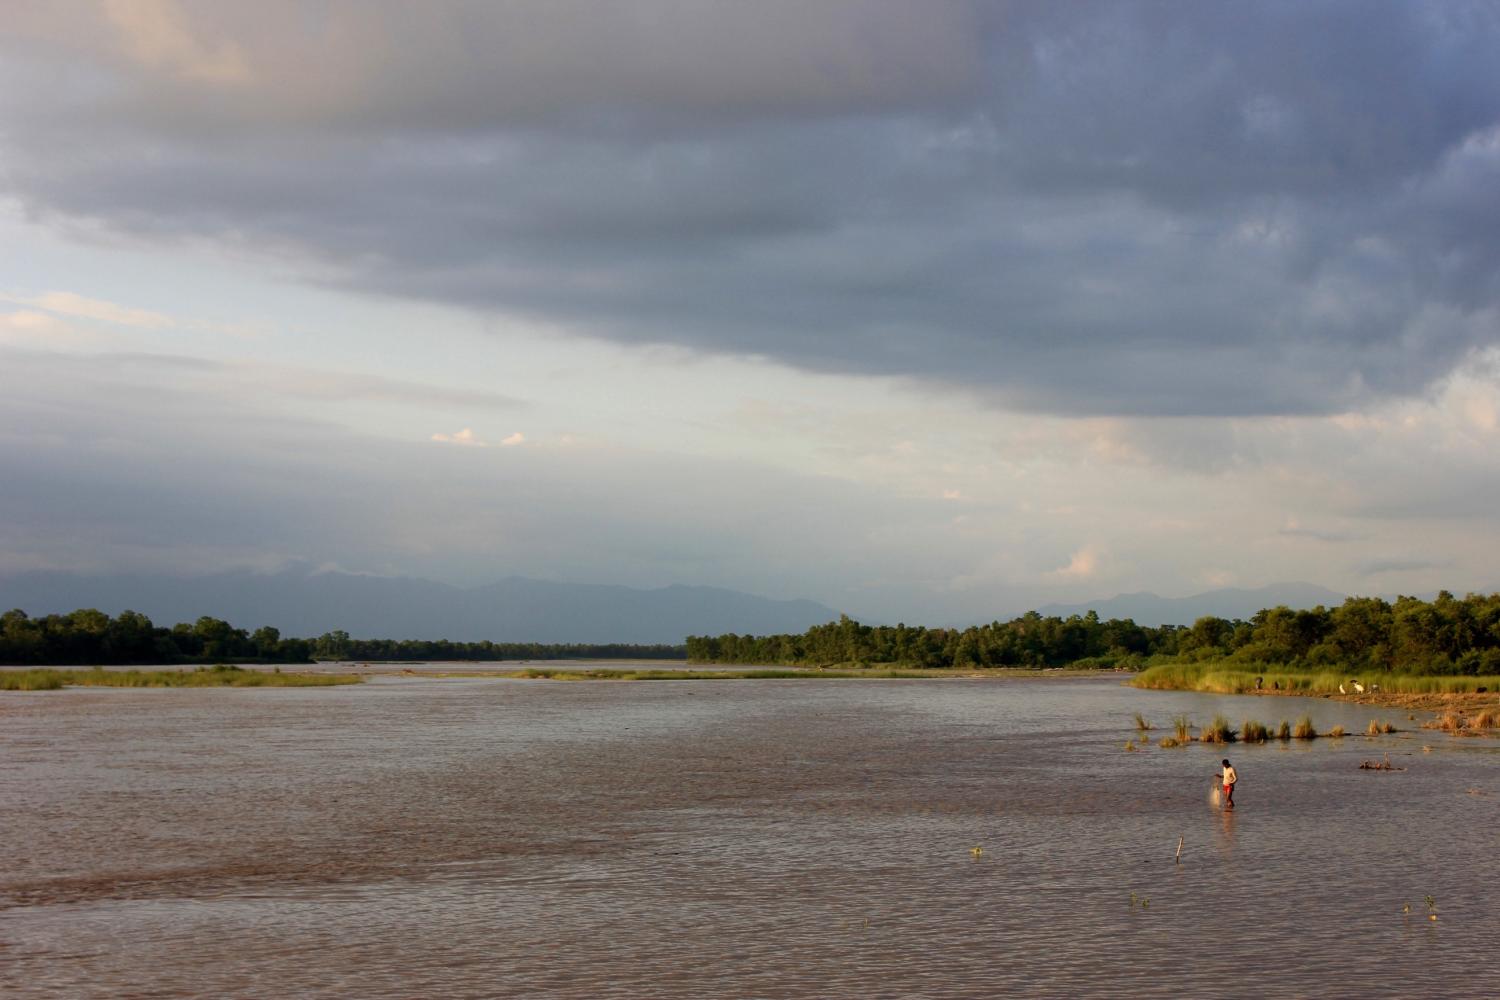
1382,765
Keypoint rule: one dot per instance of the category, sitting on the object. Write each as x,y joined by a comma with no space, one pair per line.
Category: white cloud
511,440
156,34
29,328
465,437
1217,578
82,307
28,321
1084,565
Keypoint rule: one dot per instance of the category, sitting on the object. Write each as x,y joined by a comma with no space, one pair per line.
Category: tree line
1447,635
87,637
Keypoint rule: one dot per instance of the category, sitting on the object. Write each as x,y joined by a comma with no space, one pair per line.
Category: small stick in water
1179,850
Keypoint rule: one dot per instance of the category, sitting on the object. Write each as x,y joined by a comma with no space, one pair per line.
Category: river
455,837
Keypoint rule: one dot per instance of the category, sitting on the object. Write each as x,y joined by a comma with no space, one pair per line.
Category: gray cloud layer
1189,208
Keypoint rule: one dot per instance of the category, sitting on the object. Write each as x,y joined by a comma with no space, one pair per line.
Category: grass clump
1253,732
1142,724
1217,731
1168,742
1486,719
1336,732
1373,729
1182,728
1304,729
1284,731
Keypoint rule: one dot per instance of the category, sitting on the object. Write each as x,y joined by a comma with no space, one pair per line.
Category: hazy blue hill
1149,609
515,609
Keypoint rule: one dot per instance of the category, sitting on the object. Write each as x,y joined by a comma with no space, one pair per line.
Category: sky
930,311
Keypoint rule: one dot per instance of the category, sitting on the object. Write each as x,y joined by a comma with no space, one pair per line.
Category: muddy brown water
442,837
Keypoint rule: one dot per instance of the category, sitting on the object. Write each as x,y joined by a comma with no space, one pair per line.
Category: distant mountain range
516,609
1149,609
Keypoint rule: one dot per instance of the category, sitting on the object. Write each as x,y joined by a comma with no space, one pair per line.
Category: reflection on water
445,837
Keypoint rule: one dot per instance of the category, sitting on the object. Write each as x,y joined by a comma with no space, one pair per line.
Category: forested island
92,637
1445,636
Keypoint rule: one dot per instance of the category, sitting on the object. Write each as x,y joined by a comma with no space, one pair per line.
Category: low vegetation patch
549,674
1253,732
1450,721
1168,742
1456,722
1142,724
1284,731
1304,729
47,679
1336,732
1232,677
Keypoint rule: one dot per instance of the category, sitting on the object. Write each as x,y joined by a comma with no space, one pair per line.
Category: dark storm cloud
1379,566
1319,535
1192,208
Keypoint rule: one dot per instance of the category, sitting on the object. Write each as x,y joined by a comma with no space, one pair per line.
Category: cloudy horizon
927,311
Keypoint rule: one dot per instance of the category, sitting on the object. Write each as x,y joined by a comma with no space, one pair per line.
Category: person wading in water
1229,779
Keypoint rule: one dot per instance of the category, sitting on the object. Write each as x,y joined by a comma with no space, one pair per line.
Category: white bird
1341,688
1374,687
1358,687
